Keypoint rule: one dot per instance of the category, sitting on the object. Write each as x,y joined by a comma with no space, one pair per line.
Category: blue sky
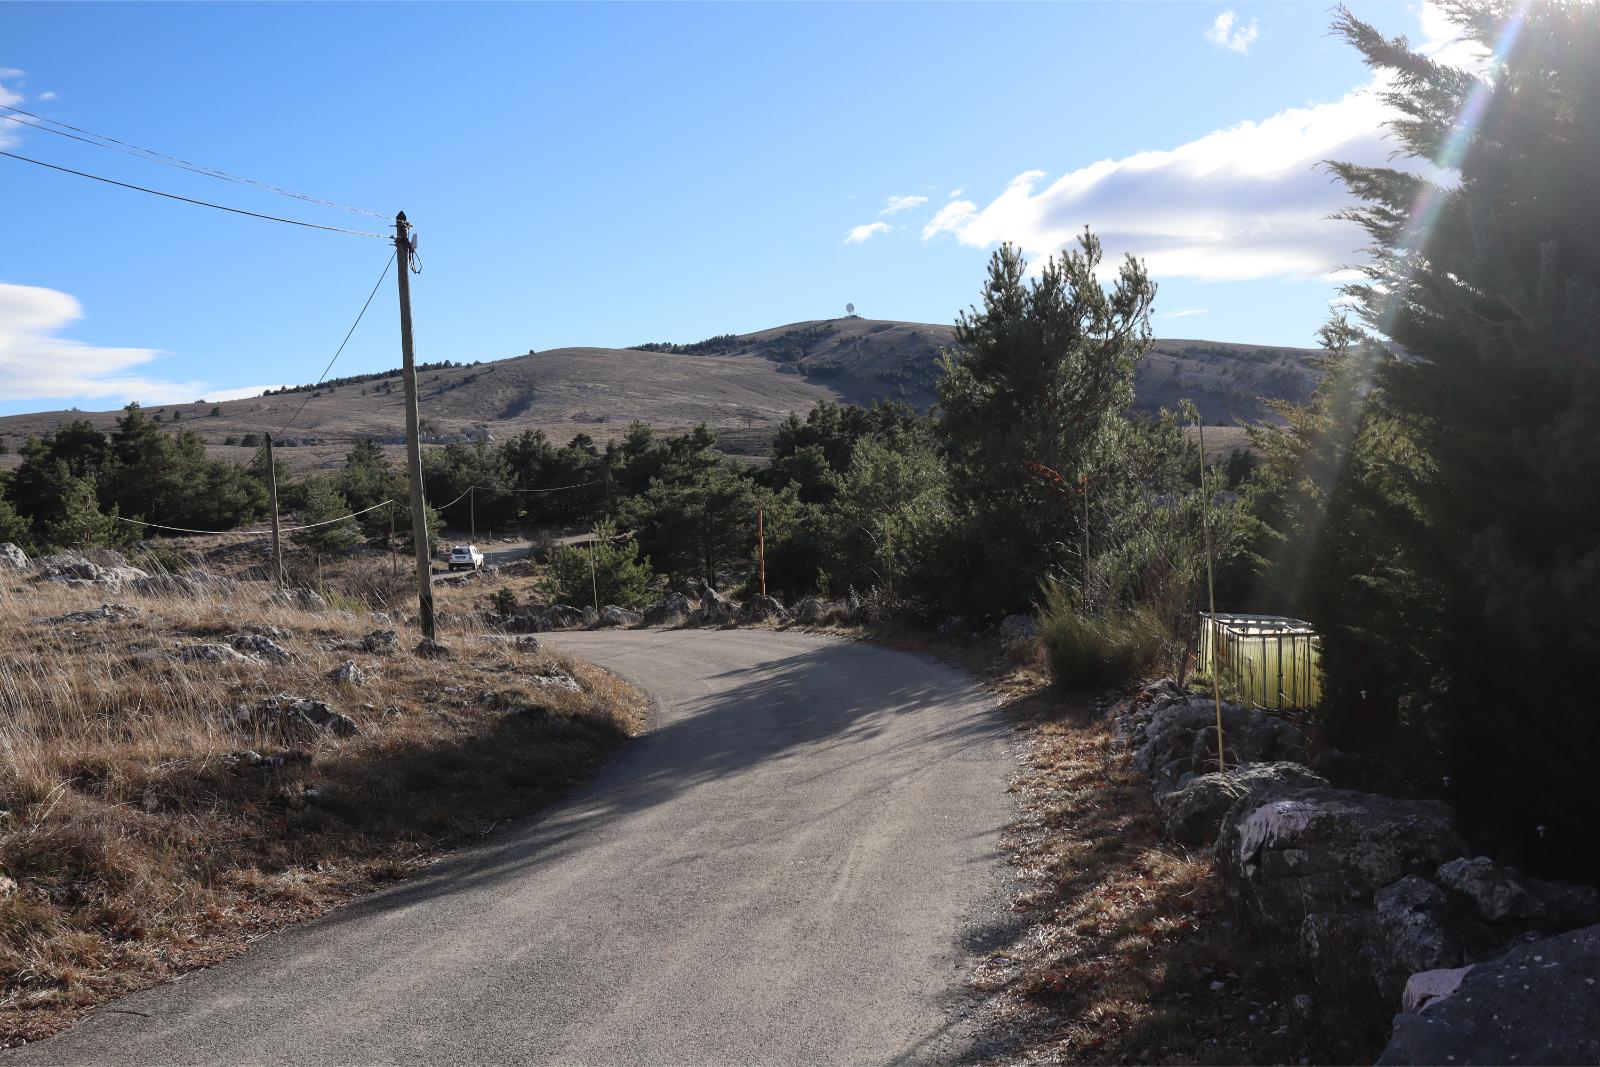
608,174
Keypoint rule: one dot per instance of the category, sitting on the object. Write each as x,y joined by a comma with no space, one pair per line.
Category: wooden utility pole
594,583
419,508
472,512
272,500
761,547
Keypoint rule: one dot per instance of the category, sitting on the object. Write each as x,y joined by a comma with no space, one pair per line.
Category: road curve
785,870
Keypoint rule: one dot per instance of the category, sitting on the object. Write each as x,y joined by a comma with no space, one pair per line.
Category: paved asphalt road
788,869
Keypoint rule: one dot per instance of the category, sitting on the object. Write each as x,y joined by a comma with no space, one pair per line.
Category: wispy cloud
10,97
957,191
46,96
896,204
866,231
37,364
1226,32
1186,313
953,217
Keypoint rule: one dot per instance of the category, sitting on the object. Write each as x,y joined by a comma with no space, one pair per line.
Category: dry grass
140,850
1124,951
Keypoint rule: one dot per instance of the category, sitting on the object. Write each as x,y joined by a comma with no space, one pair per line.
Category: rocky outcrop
295,718
1407,929
759,609
303,599
815,611
1327,850
348,673
715,609
556,678
110,570
1179,738
380,641
212,652
1192,813
612,615
104,613
428,648
674,609
261,647
530,643
1538,1003
541,617
12,558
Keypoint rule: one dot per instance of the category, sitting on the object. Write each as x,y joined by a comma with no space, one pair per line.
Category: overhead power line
200,203
100,140
247,533
346,341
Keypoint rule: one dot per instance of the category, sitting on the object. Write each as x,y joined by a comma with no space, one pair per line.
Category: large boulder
1193,813
611,615
1181,738
12,558
1409,928
763,609
1494,892
1319,849
815,611
1538,1003
715,609
674,609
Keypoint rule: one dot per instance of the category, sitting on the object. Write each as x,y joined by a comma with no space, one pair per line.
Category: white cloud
1186,313
46,96
1249,201
866,231
957,191
1226,32
953,216
896,204
36,364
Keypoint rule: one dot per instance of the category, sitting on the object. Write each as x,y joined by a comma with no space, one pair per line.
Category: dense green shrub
608,571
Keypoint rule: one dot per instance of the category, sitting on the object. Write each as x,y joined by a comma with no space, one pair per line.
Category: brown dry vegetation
1117,937
139,850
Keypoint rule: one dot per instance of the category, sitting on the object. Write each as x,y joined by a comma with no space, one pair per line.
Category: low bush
1084,652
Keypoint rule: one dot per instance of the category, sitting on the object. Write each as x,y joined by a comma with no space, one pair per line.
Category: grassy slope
744,387
138,852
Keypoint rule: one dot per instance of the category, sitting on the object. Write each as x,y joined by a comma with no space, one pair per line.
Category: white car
465,557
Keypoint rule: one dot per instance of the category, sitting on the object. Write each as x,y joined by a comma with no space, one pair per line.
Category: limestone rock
715,609
260,646
379,641
612,615
1327,850
1538,1003
1193,813
348,673
428,648
674,609
12,558
1495,893
760,609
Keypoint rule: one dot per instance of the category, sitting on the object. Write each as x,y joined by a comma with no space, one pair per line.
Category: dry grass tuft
135,844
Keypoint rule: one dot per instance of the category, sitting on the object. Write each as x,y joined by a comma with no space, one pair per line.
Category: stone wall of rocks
1379,894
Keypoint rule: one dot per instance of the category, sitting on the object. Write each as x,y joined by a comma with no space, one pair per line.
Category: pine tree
1486,290
1040,381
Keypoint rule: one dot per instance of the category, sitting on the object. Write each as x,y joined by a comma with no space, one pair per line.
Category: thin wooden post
394,553
1211,587
594,585
272,499
472,513
761,546
419,508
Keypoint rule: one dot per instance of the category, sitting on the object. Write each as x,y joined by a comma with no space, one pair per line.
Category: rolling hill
743,385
